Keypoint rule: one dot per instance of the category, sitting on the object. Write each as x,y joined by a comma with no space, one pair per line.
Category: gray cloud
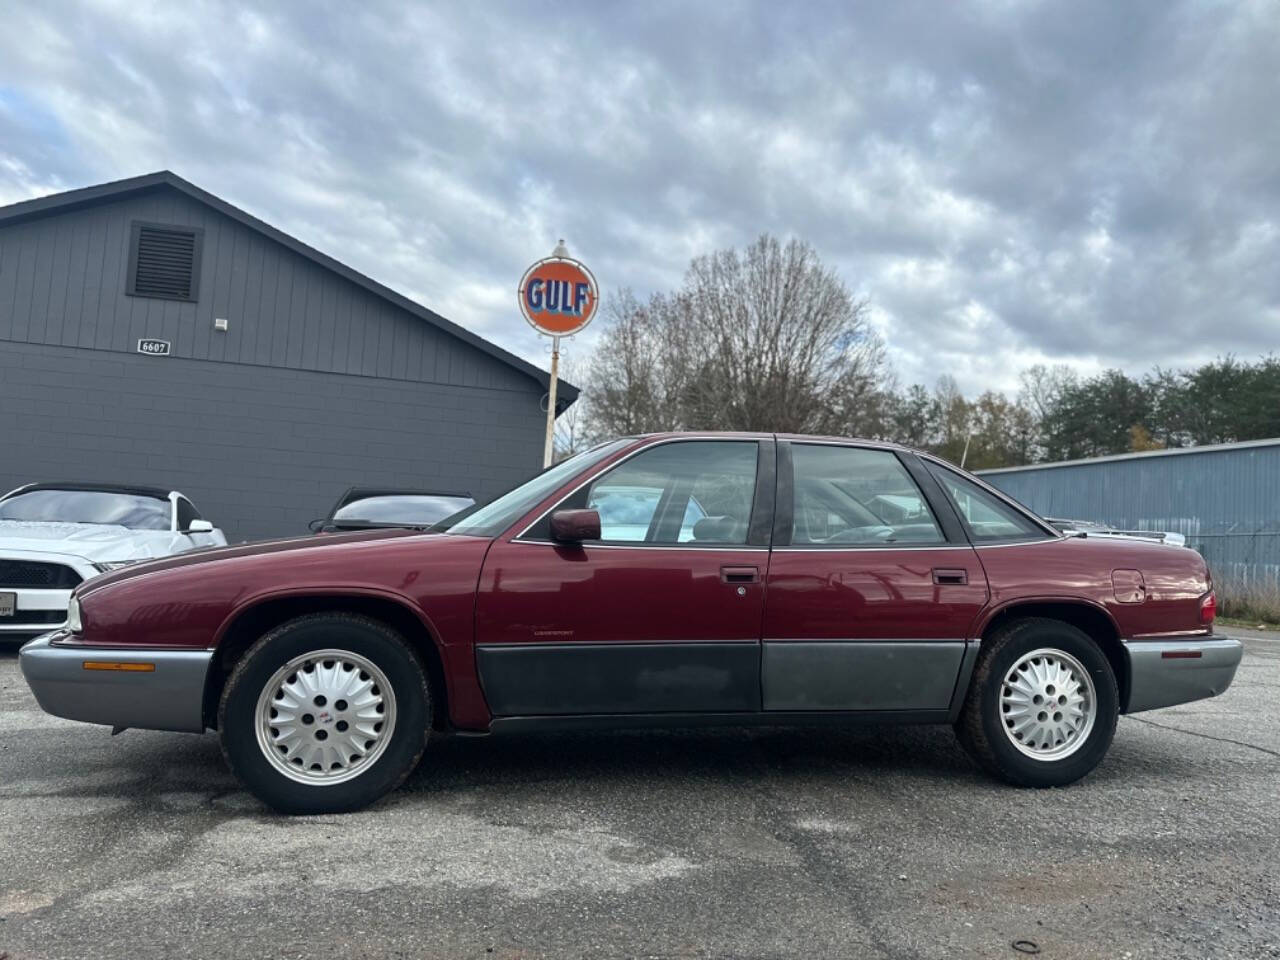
1009,182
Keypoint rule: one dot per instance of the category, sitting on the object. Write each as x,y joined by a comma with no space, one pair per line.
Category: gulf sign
558,296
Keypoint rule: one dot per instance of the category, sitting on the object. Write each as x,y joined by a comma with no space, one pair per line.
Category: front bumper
168,697
1167,672
38,612
40,609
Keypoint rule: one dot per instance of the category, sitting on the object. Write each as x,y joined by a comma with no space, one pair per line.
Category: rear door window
985,516
853,496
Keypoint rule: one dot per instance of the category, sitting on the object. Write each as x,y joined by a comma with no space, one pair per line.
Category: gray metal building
115,367
1225,499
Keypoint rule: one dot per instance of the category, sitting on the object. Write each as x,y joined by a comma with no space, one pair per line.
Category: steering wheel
862,535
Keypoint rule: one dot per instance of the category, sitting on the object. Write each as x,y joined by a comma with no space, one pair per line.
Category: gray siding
261,451
62,282
317,385
1226,502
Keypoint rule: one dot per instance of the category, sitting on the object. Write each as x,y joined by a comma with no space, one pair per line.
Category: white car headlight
73,614
112,565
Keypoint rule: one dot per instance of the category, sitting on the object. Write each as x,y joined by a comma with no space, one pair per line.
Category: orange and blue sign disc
558,296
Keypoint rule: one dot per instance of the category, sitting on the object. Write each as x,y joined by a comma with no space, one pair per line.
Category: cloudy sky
1094,183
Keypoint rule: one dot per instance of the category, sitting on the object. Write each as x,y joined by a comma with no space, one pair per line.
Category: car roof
751,435
159,493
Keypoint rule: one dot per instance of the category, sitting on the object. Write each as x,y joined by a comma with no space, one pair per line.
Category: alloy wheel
1047,704
325,717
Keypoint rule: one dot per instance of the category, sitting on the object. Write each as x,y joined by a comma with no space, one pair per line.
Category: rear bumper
1167,672
168,697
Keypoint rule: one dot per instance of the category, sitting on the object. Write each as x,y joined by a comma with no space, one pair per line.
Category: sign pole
548,449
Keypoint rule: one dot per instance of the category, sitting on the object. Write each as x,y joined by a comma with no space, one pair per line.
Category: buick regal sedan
817,581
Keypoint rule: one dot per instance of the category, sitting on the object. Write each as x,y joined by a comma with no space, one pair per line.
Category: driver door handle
732,574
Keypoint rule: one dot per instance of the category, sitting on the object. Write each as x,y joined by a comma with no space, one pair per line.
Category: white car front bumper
40,585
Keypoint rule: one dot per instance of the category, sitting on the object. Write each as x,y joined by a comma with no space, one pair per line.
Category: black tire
365,637
980,727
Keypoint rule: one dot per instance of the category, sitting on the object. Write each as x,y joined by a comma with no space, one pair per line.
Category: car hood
88,541
260,548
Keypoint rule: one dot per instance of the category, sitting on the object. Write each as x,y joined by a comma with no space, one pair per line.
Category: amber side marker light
116,665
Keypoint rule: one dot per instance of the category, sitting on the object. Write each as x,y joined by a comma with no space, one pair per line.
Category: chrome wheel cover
1047,704
325,717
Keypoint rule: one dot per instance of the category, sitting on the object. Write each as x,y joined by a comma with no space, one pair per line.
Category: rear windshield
412,509
88,506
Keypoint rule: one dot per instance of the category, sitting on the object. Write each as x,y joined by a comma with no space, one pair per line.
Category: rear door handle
730,574
946,575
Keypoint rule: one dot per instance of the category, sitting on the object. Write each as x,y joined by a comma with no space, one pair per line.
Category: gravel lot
879,842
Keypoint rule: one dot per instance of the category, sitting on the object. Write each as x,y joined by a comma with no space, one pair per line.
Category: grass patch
1247,624
1248,604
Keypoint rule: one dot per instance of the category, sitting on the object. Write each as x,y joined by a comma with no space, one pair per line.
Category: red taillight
1209,608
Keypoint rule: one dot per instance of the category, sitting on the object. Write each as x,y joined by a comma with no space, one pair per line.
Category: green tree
1002,432
912,417
1220,402
1093,417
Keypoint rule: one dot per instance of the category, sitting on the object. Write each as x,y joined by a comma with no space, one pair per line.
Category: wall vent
164,261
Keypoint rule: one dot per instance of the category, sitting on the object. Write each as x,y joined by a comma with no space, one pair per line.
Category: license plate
8,604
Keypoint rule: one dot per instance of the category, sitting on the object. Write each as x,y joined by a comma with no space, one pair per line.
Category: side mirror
574,526
200,526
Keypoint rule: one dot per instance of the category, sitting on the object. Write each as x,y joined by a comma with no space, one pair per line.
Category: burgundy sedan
660,580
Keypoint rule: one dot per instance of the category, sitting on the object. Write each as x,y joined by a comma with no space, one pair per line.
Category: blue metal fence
1224,499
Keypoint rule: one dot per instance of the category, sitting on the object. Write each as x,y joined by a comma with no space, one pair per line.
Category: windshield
401,508
496,515
88,506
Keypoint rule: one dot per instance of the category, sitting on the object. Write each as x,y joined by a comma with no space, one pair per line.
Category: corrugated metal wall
1225,501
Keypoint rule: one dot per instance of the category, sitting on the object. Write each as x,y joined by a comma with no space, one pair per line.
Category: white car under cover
54,536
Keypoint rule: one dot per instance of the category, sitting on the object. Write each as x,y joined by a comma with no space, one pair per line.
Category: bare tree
636,373
570,433
767,340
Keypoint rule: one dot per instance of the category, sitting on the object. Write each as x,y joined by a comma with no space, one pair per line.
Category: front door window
697,492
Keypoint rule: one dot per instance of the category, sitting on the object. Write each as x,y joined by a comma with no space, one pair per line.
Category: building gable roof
164,179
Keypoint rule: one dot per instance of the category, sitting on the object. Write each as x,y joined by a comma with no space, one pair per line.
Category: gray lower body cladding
168,696
1163,673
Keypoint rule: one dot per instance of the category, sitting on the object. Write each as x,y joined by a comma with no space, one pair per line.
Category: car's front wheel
325,714
1042,705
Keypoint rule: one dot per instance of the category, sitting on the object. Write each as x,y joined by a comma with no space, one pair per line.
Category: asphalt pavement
873,842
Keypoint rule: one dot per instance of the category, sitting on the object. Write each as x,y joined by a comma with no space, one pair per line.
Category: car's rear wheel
325,714
1042,706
